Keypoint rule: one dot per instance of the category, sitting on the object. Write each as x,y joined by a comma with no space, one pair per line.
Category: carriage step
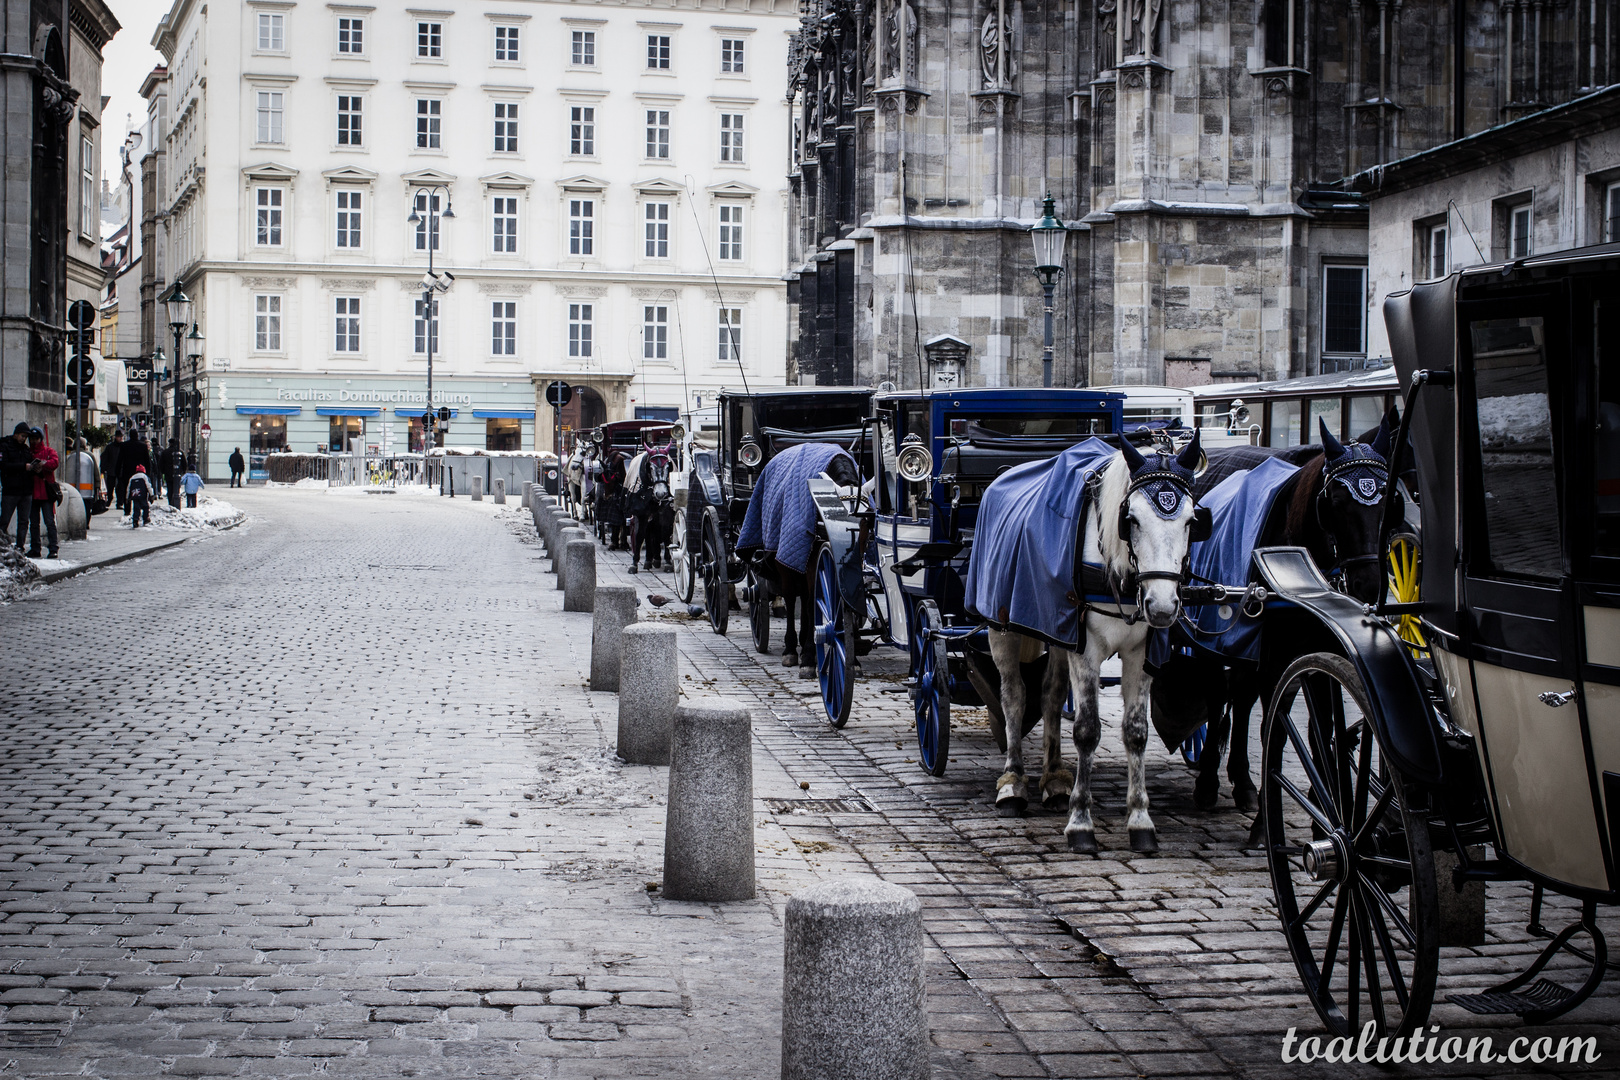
1540,994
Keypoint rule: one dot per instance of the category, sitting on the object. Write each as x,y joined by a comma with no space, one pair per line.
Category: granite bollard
615,609
476,486
554,531
649,691
709,823
559,548
579,556
852,986
528,494
500,490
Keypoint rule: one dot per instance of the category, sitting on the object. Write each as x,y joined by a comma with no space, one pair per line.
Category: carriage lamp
1049,235
915,462
678,432
750,454
597,436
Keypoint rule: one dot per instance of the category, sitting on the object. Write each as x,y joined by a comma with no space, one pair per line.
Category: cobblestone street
327,795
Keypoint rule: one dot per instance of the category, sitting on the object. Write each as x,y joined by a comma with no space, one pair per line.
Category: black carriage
1472,732
615,444
753,428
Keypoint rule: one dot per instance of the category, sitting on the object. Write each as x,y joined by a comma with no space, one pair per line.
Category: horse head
655,469
1348,506
1157,521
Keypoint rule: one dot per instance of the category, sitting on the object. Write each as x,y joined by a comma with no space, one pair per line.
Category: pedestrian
140,498
109,469
16,482
172,461
238,467
134,455
47,493
191,483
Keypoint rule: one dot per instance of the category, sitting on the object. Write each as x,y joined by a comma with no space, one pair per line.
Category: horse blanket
1023,571
632,473
1227,460
781,514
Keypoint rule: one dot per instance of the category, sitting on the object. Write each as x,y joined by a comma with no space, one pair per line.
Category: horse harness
1365,475
1165,489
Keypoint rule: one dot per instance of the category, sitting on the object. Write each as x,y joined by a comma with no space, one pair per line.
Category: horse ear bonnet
1332,447
1380,443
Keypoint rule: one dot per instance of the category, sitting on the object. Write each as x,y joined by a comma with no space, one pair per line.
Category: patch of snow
209,513
19,575
1517,418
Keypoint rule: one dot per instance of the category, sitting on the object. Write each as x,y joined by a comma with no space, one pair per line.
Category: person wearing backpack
140,498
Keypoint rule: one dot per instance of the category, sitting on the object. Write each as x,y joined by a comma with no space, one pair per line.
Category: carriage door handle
1554,699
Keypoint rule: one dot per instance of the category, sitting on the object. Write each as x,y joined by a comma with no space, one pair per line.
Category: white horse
1138,525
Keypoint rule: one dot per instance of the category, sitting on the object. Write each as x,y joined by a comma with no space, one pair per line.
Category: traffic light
444,415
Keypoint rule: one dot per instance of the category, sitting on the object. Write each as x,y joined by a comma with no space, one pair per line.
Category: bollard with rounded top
852,986
528,494
476,485
709,824
554,531
579,557
500,490
559,564
615,609
649,691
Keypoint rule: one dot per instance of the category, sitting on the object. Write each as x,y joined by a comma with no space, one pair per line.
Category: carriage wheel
685,570
759,612
931,701
1351,866
1403,582
715,587
834,644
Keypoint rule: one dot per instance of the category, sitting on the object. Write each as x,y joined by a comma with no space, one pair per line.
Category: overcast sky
128,58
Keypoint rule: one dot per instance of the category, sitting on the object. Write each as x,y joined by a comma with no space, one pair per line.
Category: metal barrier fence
375,470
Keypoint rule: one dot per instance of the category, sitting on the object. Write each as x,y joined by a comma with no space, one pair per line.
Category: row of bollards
853,988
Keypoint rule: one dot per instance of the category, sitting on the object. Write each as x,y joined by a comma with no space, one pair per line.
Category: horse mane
1111,491
1300,503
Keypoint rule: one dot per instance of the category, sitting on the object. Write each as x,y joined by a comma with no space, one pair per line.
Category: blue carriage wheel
832,641
1193,748
931,704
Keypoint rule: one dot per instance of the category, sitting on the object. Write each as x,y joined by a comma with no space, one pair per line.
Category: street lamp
179,307
1048,235
158,360
194,353
432,284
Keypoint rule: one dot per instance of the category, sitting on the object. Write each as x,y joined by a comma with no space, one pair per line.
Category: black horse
610,499
651,510
1330,507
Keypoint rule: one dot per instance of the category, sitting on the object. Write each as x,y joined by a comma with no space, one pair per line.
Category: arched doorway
585,410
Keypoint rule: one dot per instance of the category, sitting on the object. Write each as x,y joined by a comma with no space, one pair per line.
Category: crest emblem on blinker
1367,487
1169,501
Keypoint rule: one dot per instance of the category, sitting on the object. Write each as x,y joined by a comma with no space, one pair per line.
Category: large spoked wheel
759,612
834,647
931,702
683,561
1351,866
716,589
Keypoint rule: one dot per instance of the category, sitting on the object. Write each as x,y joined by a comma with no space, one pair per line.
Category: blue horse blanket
781,514
1022,571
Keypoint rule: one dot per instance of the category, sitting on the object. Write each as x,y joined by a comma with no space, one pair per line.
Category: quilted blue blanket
781,514
1022,570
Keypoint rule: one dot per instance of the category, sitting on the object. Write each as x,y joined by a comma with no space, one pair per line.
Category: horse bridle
1337,567
1133,580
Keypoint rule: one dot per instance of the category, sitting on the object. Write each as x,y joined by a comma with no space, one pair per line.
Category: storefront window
267,435
414,439
346,433
503,433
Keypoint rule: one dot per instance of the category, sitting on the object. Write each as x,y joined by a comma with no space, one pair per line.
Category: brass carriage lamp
1049,236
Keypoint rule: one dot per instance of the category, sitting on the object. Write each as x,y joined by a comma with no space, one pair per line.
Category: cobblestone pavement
327,795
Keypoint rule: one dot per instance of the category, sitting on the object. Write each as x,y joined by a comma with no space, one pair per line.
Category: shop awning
504,414
350,410
269,410
415,411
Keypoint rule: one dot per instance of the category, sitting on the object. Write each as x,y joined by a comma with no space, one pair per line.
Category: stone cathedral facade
1195,147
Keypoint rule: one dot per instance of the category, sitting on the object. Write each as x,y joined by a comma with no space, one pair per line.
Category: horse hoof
807,673
1247,798
790,659
1257,835
1057,801
1206,793
1012,806
1143,842
1083,842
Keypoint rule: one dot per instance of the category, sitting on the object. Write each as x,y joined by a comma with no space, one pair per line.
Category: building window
272,32
88,203
348,324
503,328
427,327
584,49
655,332
731,56
505,128
731,231
658,52
582,131
658,133
731,137
348,120
427,224
351,36
267,228
503,433
265,434
730,336
429,40
1344,309
581,227
348,219
1611,213
579,330
1518,228
267,322
1436,260
504,214
657,230
270,116
428,120
506,44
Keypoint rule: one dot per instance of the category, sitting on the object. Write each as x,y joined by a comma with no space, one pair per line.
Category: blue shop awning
415,411
350,410
269,410
505,414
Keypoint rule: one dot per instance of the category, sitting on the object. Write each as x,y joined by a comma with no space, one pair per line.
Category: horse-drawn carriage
607,486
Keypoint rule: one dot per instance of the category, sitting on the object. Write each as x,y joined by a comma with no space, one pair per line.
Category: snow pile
209,513
585,777
1514,419
18,574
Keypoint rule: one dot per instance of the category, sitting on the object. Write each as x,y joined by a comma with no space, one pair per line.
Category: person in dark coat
238,467
172,461
134,456
109,468
16,483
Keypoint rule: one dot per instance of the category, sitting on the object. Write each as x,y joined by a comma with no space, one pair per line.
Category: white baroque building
607,183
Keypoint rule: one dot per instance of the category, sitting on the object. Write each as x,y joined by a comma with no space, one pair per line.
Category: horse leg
1056,781
1244,793
1010,786
1207,788
807,628
1134,684
1080,831
790,635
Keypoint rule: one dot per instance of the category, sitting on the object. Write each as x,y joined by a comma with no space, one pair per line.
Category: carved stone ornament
1105,96
581,292
349,284
269,282
1135,80
729,297
504,288
993,42
655,294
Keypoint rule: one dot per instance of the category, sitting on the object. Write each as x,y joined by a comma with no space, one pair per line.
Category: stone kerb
709,824
579,558
500,490
615,608
853,983
559,564
649,692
